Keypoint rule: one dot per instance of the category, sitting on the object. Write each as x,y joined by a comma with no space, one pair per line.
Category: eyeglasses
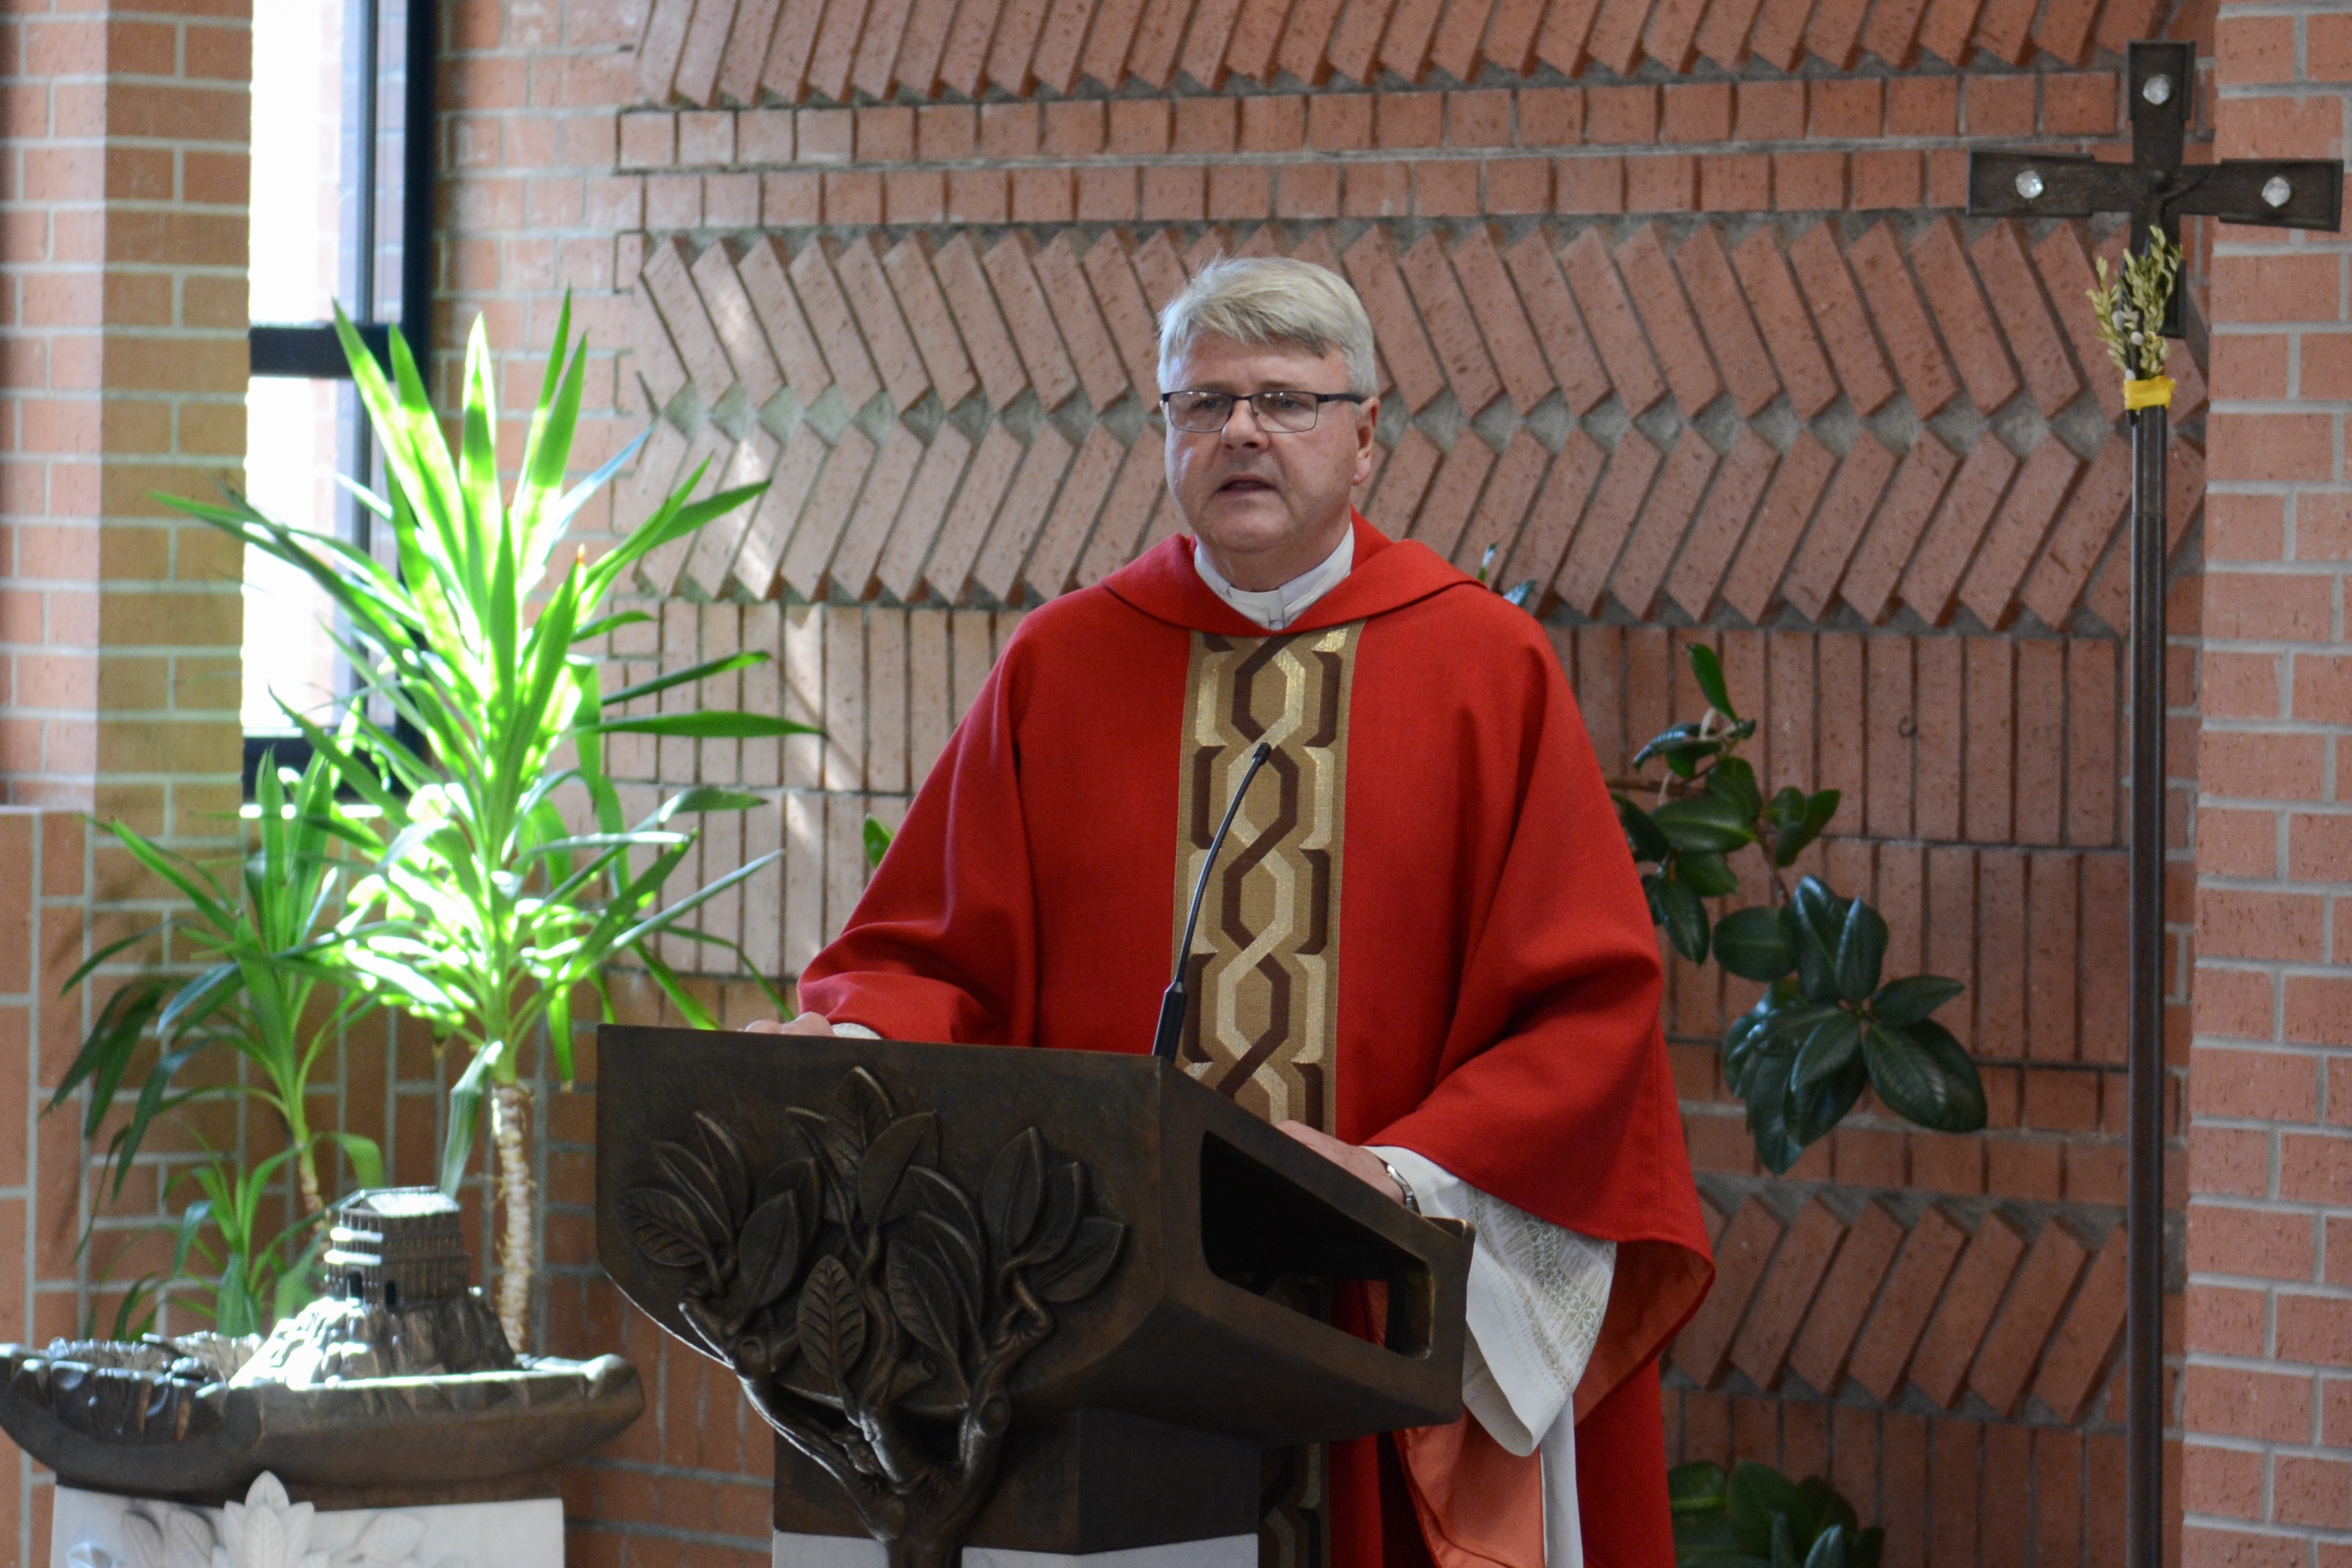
1288,413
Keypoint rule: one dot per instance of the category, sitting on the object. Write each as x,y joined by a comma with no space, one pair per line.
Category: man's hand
1360,1163
807,1023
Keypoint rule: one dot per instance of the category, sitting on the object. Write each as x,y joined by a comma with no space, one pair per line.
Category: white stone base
857,1552
99,1529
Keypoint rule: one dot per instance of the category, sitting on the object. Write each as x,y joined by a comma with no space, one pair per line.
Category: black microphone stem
1173,1001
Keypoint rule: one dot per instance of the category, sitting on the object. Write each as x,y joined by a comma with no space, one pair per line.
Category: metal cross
2157,190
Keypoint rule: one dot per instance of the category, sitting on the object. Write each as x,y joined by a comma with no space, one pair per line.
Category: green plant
260,991
1828,1025
2130,307
251,1282
482,909
1753,1517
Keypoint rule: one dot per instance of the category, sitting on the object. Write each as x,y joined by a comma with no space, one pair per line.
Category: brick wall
2266,1480
1676,310
122,252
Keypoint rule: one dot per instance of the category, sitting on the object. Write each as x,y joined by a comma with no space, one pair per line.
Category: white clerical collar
1275,608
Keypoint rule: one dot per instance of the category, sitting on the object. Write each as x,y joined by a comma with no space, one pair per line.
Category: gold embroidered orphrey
1263,973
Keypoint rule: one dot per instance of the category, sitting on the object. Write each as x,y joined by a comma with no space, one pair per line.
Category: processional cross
2156,190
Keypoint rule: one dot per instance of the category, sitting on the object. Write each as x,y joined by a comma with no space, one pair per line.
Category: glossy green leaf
1642,835
1814,1109
1751,945
1733,781
1829,1047
1924,1075
877,842
1685,919
1768,1111
1816,967
1901,1003
1862,950
1702,824
1710,876
1710,672
1756,1493
1819,807
709,724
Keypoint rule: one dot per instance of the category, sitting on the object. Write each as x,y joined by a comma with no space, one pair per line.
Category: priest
1424,952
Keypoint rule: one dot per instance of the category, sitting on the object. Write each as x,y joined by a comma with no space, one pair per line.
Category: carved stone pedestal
101,1529
857,1551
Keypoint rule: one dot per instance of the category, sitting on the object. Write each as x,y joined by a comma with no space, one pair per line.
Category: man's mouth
1245,484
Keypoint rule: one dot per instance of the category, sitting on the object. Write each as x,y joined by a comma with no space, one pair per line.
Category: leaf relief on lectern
875,1311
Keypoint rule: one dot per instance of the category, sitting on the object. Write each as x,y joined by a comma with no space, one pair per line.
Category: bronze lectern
1022,1299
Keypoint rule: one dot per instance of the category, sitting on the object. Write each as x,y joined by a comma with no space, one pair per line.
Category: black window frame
310,351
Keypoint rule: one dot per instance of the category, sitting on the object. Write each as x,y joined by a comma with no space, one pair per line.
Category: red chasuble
1426,931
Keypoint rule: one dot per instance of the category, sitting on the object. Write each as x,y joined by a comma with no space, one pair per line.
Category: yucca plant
259,991
480,909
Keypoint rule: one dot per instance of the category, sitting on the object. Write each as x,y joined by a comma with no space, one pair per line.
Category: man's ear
1367,424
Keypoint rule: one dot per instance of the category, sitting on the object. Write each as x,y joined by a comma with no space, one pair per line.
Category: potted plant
498,874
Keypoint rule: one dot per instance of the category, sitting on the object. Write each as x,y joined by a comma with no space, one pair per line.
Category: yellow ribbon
2153,392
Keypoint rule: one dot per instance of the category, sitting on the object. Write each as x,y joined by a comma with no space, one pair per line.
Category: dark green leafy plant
1753,1517
1828,1025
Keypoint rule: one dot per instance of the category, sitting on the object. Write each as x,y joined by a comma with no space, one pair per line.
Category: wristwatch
1404,1188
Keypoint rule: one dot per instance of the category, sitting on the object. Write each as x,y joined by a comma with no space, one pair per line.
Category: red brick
1841,317
1844,1299
1665,183
1707,553
1735,182
1560,504
1673,331
1811,583
829,321
2277,287
2253,1085
867,289
1884,1353
1402,345
1700,112
1968,1300
2232,1401
1584,576
1452,330
964,282
1715,293
1835,35
1723,36
1933,577
1512,338
1026,311
1559,329
1703,1348
1608,314
2016,536
1588,184
1620,114
2013,1346
1444,511
1755,579
1659,530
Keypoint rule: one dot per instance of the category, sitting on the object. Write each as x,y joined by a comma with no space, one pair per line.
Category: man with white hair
1427,953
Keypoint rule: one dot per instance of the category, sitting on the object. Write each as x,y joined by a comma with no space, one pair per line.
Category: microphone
1173,1001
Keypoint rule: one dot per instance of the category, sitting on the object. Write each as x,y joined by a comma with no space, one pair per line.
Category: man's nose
1236,433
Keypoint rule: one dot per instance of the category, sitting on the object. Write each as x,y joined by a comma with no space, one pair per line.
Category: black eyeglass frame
1251,399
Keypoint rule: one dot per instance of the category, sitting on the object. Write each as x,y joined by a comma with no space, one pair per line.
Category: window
340,213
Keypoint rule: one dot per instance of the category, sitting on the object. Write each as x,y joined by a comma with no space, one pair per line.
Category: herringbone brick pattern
737,51
1995,1315
1629,414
